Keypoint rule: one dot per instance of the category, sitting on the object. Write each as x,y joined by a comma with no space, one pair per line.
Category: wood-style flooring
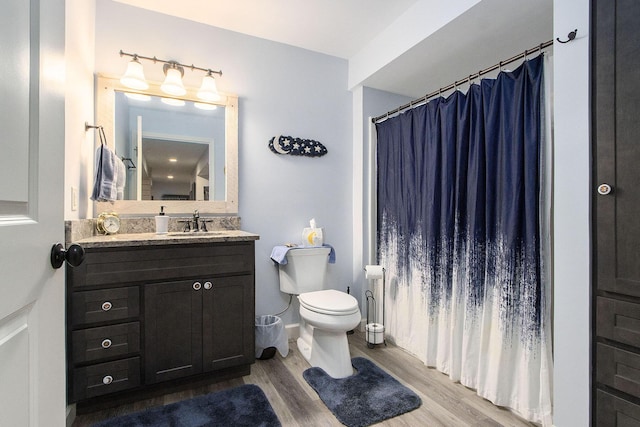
444,403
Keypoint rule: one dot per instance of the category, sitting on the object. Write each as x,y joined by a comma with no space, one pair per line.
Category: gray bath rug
245,405
367,397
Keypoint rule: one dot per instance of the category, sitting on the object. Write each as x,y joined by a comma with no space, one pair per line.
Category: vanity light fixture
134,76
173,160
173,81
208,90
174,71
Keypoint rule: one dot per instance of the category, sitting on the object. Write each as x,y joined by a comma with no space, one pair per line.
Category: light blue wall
572,217
282,90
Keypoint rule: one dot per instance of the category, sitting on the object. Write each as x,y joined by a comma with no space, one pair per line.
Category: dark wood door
616,212
173,330
228,322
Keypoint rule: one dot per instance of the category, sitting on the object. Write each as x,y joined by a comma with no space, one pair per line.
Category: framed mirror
178,154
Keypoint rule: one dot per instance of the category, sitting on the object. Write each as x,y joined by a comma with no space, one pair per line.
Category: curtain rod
471,77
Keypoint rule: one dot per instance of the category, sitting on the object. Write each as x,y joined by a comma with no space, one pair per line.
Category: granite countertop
172,238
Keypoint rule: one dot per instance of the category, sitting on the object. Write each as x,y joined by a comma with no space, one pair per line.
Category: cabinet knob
106,343
106,306
107,380
197,286
604,189
208,285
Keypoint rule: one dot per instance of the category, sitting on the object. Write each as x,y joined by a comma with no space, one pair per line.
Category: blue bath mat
245,405
367,397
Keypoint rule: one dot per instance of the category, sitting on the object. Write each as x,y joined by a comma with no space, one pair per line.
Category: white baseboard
293,331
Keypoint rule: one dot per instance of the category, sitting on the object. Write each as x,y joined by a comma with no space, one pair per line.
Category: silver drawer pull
106,343
197,286
106,306
107,380
208,285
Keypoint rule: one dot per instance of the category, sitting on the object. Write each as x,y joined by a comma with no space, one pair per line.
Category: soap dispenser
162,222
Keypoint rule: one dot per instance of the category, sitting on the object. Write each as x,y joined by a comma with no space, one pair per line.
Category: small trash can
270,335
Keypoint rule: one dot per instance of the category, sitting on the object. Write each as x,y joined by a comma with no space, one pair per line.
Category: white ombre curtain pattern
463,233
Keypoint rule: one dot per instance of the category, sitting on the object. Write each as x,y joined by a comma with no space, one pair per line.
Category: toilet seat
329,302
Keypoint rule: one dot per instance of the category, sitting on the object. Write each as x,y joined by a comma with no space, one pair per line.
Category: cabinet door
616,131
228,322
173,330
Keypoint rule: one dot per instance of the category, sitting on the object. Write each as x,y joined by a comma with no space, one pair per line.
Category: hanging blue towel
279,253
104,187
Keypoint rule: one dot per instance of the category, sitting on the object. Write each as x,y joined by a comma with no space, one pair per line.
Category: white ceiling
487,33
335,27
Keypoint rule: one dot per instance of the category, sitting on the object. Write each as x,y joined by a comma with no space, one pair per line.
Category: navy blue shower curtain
459,232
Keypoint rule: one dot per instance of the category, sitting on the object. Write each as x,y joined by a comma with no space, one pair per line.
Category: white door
32,327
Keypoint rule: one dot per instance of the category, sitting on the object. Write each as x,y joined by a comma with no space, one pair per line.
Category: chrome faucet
196,216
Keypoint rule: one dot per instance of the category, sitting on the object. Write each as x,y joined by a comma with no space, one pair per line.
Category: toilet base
328,350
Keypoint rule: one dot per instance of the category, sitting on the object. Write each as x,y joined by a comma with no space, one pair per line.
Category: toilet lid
329,301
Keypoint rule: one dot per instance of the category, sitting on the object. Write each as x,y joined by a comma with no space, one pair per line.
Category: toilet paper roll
375,333
373,272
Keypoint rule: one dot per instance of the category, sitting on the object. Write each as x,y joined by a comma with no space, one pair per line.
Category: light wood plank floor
444,403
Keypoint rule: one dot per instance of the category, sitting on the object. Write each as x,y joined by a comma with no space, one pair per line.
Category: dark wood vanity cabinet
194,326
147,315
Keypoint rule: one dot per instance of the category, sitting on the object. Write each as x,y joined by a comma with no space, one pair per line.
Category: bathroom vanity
149,311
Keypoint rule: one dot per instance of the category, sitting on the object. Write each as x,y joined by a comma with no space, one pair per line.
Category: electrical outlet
74,199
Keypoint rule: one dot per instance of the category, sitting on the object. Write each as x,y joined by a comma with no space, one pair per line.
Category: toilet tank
305,270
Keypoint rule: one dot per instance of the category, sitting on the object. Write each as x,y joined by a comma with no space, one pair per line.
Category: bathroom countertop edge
153,239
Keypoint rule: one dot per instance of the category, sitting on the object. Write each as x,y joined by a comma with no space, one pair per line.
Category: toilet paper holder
374,332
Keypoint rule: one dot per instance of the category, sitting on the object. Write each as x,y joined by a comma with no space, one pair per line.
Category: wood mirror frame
106,86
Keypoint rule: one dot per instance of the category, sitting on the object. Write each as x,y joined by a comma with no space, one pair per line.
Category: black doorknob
74,255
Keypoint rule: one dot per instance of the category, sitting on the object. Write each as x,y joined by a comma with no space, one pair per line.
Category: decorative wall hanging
296,146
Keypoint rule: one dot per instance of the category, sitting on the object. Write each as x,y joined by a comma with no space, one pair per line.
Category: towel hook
571,36
87,126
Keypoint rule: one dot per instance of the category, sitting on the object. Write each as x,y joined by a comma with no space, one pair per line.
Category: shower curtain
461,222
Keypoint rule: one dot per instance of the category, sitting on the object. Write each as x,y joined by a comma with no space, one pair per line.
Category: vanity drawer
619,369
618,321
107,341
149,264
103,378
105,305
613,411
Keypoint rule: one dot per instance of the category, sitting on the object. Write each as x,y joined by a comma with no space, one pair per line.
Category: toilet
325,314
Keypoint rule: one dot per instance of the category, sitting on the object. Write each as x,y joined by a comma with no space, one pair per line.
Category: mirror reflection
155,121
175,150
